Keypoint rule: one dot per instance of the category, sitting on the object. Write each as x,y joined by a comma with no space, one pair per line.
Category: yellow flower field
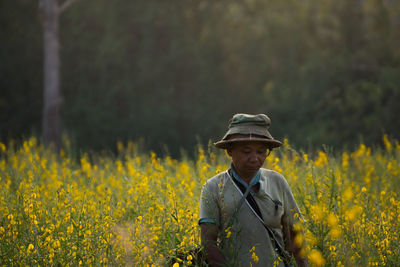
138,209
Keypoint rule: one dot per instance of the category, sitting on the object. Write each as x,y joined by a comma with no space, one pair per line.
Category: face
248,157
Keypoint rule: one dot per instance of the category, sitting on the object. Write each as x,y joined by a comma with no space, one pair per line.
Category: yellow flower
254,257
29,249
335,233
387,143
3,147
305,158
316,257
352,213
363,189
299,239
332,220
70,229
322,159
228,232
345,161
318,212
348,194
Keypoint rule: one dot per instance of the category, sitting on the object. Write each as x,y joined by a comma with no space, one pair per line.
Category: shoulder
271,175
274,177
216,181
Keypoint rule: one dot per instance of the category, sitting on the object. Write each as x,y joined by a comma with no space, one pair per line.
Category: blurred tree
52,95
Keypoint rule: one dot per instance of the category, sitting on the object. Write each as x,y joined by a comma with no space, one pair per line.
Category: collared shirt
242,234
254,181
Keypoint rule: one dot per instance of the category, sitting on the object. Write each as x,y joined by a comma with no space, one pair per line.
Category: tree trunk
51,93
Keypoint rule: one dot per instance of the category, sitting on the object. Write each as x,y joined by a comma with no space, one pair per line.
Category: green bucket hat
247,127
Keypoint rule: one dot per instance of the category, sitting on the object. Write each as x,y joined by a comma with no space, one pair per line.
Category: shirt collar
254,180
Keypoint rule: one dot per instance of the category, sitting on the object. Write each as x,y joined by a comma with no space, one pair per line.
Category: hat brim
271,143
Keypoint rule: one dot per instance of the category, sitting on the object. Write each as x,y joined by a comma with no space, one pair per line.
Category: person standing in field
248,215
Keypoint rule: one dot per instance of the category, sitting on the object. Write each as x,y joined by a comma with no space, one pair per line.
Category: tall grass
138,209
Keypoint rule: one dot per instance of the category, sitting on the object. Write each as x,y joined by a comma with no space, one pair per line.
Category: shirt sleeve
209,211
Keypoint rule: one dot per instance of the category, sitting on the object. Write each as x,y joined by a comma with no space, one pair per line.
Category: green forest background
173,72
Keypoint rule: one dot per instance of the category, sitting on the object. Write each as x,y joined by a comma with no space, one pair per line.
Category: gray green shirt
240,232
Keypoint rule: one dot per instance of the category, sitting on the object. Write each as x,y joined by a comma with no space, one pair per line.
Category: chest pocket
271,210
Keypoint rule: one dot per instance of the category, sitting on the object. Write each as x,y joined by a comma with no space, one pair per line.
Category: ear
229,151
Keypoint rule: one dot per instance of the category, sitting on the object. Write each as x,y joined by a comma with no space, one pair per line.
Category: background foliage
173,72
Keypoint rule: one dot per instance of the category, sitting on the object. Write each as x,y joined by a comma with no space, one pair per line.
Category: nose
253,157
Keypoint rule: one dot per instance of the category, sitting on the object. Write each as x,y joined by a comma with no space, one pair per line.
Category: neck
245,176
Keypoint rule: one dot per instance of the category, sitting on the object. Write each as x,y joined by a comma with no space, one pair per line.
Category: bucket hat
248,127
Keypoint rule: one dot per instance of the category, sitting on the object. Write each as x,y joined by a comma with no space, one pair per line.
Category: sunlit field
138,209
